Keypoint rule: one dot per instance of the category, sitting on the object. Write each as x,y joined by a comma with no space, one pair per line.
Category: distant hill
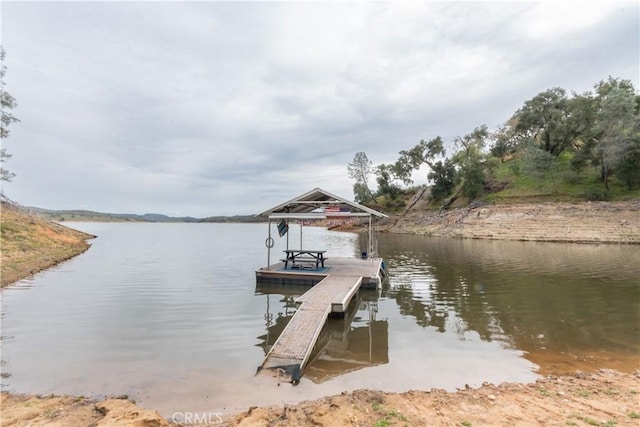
235,218
85,215
91,216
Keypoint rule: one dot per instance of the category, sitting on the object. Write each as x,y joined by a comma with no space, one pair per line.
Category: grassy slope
516,187
560,185
30,243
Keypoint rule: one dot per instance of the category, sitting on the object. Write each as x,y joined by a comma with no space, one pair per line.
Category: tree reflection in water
575,300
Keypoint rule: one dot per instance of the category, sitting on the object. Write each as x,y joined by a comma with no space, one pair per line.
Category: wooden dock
291,352
371,270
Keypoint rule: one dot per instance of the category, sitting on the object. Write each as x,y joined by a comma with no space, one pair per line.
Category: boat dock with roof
333,281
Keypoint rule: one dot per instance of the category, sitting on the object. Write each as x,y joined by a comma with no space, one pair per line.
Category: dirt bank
594,222
603,398
66,411
31,244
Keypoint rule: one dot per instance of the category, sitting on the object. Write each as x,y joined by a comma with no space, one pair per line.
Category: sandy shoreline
604,398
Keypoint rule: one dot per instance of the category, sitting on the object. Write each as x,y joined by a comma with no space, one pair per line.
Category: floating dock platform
332,289
371,270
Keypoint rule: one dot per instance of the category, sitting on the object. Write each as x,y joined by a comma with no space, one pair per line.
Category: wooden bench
304,260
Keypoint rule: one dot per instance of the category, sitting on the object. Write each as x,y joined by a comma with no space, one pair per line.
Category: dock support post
269,240
370,245
287,234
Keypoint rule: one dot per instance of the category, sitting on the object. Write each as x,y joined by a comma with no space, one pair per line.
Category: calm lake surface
170,314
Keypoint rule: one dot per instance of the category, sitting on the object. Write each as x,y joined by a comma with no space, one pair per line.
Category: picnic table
299,258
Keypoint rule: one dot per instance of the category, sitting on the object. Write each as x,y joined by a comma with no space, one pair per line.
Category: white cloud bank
210,108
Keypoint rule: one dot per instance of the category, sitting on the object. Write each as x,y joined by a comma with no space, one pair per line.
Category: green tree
586,120
615,121
472,161
506,140
603,87
443,175
628,170
424,152
385,177
360,169
8,102
582,109
539,164
545,119
360,192
401,170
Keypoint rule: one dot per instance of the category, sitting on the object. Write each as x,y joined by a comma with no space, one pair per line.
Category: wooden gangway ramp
290,353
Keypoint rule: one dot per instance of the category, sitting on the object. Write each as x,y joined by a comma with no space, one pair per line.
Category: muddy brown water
171,315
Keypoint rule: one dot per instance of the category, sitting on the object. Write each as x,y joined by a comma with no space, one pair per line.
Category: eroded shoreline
589,222
31,244
605,397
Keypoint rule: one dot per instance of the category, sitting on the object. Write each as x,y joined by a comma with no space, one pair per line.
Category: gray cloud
207,108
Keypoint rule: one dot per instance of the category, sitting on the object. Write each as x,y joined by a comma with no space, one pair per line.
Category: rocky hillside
589,222
549,222
30,243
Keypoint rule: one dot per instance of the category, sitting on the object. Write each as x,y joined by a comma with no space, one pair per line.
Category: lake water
170,314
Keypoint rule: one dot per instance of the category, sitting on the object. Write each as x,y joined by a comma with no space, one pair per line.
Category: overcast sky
222,108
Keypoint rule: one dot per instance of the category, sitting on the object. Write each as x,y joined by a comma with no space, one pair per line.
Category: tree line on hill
596,131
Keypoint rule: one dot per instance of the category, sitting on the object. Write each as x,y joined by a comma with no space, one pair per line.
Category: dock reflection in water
357,341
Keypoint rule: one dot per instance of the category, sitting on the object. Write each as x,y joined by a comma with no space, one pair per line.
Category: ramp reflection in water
357,341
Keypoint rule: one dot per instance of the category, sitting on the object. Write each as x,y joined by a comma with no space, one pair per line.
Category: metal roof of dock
313,204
